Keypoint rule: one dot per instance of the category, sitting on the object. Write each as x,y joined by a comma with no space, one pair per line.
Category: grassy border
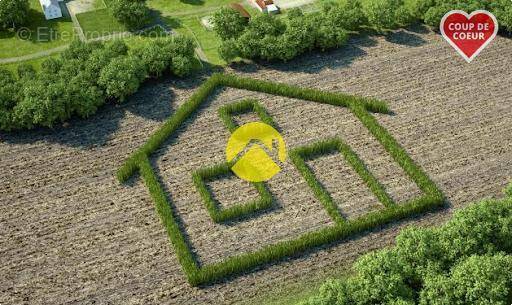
299,156
197,275
218,214
227,112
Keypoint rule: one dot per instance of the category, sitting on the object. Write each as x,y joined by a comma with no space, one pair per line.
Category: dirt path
70,234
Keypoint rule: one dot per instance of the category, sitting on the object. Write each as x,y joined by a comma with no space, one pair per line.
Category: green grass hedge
203,274
226,113
218,214
300,155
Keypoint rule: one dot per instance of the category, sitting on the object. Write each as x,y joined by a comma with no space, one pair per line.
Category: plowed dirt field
71,234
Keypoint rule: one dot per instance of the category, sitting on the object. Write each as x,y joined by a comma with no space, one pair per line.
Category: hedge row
227,112
300,155
238,211
283,38
234,265
432,11
85,76
466,261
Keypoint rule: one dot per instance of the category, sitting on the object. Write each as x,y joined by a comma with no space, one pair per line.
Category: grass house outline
361,107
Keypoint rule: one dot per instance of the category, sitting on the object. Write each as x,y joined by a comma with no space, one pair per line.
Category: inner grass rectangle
300,155
228,112
244,210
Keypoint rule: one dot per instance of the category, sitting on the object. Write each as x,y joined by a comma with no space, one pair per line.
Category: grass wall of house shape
362,107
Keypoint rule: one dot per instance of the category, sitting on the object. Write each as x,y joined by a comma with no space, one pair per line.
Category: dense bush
122,77
82,78
466,261
134,14
508,190
346,14
485,279
385,14
228,23
13,13
283,38
270,38
432,11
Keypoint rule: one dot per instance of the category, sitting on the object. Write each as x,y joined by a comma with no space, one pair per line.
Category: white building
51,9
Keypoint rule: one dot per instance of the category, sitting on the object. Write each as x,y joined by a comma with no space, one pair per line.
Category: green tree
503,11
116,47
9,97
382,276
478,280
228,50
80,50
228,23
181,65
122,77
134,14
26,71
385,14
42,104
13,13
154,58
347,14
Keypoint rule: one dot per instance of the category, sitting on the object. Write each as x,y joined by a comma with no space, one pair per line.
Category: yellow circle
246,151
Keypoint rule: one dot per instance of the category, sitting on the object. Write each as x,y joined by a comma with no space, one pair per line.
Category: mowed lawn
42,34
185,18
186,7
36,63
206,39
99,23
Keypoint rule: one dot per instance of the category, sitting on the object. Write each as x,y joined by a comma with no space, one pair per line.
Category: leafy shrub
479,229
466,261
346,14
417,8
181,65
154,58
432,11
13,13
386,14
508,190
502,9
228,23
78,82
116,47
80,50
477,280
122,77
26,71
9,97
134,14
381,276
270,38
43,104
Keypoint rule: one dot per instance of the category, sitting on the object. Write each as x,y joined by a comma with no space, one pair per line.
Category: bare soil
71,234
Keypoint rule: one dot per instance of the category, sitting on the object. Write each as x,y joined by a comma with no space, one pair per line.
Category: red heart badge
469,34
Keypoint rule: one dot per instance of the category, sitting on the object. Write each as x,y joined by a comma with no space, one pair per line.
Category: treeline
466,261
268,37
432,11
84,77
13,13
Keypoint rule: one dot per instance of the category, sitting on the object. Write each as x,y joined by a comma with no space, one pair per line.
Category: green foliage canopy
13,13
